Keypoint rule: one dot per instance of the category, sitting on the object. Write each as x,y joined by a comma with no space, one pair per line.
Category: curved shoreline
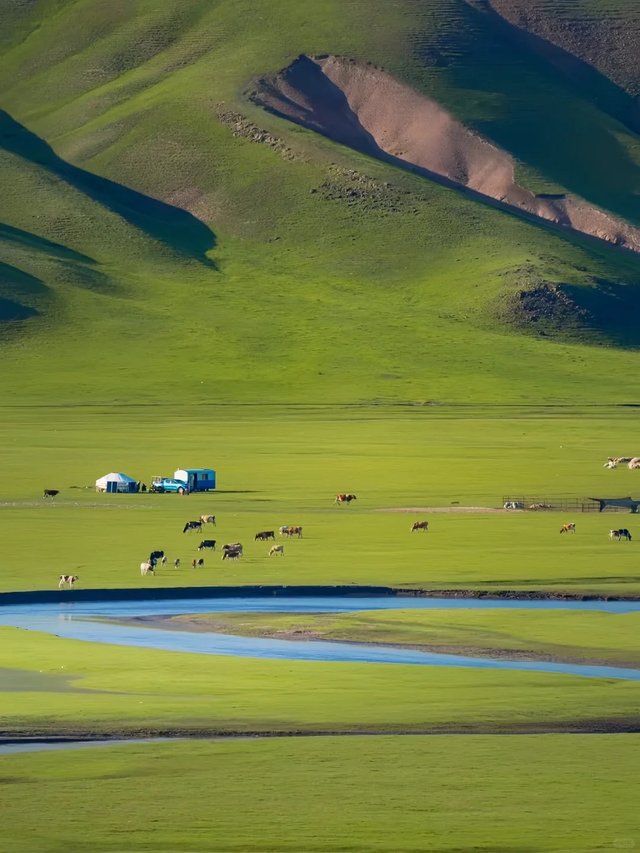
40,596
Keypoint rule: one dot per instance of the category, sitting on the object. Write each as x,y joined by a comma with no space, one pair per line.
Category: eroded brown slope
364,107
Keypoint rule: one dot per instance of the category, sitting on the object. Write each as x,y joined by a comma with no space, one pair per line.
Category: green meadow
400,795
175,293
281,466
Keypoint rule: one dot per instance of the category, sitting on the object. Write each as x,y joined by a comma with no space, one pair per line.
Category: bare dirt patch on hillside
364,107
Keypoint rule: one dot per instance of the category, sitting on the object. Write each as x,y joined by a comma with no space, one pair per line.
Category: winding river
81,621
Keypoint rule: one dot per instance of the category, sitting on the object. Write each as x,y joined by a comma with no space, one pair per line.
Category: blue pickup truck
169,484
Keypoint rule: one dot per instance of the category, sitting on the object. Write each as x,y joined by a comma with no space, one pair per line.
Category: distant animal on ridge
620,534
51,493
192,525
67,579
420,525
568,528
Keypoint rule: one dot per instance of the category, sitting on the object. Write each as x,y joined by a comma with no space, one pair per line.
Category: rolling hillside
165,237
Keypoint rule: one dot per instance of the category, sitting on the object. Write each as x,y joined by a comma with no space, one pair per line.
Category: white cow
276,549
147,569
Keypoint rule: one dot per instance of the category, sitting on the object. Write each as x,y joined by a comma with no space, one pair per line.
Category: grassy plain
112,690
400,795
284,466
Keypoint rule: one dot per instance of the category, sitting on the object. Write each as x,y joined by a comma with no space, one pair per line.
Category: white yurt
116,482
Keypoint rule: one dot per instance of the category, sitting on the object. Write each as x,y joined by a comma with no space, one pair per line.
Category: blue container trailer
198,479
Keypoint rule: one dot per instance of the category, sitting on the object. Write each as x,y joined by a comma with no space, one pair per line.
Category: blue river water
79,621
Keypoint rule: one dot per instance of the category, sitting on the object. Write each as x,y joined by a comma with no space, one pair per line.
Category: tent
115,482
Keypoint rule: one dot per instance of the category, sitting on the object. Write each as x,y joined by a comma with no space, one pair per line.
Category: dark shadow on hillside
598,312
605,94
27,240
170,225
10,311
15,282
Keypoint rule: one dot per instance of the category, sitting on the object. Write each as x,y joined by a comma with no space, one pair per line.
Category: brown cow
568,528
345,499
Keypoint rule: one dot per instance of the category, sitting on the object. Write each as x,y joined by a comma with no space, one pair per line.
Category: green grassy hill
163,237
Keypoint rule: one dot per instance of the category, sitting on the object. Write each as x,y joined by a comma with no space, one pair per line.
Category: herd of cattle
230,550
235,550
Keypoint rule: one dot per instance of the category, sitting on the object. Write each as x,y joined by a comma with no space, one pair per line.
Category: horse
568,528
345,499
70,579
420,525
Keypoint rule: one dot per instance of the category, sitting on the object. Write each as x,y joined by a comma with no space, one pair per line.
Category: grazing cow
176,563
420,525
208,519
147,569
207,543
264,535
232,554
197,563
634,464
192,525
276,549
568,528
69,579
292,530
345,499
51,493
233,546
156,556
620,534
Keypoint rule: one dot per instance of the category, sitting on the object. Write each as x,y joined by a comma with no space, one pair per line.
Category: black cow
51,493
232,554
207,543
264,535
156,556
192,525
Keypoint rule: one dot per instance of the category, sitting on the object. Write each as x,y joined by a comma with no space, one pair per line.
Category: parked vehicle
169,484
